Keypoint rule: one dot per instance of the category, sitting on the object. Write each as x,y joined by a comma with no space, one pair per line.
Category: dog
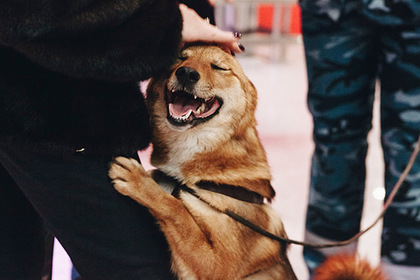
210,161
348,267
205,144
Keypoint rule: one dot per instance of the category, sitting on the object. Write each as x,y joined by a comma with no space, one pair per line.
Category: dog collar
232,191
173,186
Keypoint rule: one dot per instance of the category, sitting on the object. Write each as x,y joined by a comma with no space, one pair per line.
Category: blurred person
348,45
69,103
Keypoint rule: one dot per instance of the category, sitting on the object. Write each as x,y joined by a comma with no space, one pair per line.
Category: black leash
263,232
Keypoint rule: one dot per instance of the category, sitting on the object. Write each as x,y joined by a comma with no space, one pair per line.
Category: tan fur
347,267
207,244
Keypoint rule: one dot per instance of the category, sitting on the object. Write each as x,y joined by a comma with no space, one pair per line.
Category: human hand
196,28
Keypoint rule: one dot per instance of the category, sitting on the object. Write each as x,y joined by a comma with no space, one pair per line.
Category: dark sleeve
118,40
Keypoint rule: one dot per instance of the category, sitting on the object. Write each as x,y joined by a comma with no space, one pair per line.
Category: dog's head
205,83
203,118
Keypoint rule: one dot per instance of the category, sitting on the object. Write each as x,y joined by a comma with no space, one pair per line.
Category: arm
116,40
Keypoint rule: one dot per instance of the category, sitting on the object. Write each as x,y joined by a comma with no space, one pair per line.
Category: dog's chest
179,152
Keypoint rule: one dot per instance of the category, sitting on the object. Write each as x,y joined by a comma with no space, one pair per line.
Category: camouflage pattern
348,44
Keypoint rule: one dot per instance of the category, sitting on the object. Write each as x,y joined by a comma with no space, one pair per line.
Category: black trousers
108,236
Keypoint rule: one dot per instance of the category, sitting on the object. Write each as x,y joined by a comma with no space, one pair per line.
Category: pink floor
285,129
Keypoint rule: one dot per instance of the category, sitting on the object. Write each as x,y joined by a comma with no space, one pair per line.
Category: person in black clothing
69,103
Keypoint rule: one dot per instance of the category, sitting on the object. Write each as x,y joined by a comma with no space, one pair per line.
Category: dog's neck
224,163
174,187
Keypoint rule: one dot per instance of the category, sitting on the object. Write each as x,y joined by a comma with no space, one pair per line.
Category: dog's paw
127,174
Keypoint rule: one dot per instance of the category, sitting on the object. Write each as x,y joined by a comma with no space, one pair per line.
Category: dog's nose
187,75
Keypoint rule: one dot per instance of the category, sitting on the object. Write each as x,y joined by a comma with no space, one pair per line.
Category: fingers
197,29
229,39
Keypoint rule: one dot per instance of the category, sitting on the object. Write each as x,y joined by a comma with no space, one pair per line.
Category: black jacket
69,71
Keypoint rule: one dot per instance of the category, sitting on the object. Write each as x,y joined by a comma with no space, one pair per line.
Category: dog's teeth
201,108
184,117
195,97
188,114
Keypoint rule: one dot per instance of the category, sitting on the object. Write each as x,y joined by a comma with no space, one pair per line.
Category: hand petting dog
196,28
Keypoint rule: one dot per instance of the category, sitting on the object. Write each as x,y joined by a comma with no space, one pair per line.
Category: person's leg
74,274
21,234
400,112
108,236
341,64
49,252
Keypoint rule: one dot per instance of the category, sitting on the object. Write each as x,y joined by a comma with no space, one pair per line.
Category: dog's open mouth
185,108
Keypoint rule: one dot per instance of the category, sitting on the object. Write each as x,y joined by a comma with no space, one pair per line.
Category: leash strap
263,232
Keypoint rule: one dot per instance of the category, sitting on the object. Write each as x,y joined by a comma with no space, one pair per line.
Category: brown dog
205,140
348,267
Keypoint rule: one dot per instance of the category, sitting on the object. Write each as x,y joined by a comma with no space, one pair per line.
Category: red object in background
296,20
265,18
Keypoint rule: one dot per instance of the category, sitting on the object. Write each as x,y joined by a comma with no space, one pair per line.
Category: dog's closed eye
217,67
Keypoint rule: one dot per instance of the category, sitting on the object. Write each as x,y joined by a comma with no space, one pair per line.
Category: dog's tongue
182,105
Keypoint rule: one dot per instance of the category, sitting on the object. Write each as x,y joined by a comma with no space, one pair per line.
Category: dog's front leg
186,239
130,179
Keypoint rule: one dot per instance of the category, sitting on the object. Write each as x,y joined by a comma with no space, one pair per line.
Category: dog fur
347,267
223,148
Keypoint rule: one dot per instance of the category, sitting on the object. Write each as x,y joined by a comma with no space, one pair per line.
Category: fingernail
237,35
232,53
241,47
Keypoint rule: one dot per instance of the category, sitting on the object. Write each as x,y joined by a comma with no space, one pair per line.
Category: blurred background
275,63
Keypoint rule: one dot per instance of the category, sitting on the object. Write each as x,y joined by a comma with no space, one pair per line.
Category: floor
285,130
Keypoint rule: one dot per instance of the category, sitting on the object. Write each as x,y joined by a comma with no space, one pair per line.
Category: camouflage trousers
348,47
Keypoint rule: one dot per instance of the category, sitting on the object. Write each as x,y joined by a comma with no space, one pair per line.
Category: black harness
235,192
